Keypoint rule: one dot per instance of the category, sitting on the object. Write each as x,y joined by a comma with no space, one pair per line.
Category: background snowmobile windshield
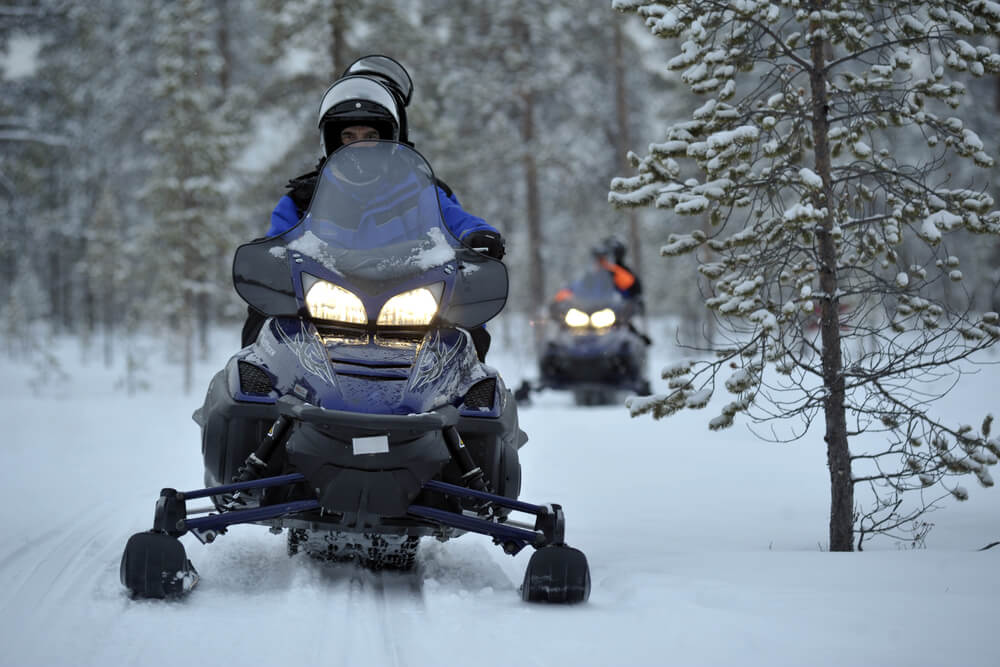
595,289
374,222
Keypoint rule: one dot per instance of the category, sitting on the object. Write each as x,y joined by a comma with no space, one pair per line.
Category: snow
705,548
740,135
802,212
811,178
438,253
313,246
20,59
929,230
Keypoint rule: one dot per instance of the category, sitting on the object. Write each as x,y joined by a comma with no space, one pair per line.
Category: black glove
486,242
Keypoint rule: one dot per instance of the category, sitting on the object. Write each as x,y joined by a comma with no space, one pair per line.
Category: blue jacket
286,215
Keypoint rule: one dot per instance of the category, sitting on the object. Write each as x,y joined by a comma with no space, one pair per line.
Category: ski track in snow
49,576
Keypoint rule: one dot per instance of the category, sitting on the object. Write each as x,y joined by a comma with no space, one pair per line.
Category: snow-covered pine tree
802,157
194,140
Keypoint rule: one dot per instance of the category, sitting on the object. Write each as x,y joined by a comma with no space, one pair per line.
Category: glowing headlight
327,301
576,318
603,318
414,308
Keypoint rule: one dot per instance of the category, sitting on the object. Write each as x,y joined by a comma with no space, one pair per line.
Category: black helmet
385,70
611,247
357,100
394,76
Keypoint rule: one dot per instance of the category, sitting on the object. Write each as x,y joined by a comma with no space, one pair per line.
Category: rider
357,108
609,255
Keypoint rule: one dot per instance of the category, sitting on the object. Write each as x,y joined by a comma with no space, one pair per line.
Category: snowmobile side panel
471,305
262,277
231,430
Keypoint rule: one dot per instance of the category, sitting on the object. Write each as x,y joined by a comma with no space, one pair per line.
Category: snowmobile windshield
595,289
374,222
374,215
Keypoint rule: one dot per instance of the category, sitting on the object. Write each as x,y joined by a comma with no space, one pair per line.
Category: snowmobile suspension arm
171,509
549,529
550,522
513,539
263,483
503,501
217,521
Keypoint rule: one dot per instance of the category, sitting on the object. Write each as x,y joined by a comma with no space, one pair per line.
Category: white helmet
357,100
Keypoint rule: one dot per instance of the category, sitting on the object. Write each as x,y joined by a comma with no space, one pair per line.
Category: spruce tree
824,147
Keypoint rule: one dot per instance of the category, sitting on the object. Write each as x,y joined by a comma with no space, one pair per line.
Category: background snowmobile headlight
603,318
577,318
330,302
407,309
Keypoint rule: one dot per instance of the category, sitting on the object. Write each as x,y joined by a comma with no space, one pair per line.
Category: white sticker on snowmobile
375,444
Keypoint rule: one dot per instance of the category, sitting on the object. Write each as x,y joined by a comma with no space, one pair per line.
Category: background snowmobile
361,419
592,345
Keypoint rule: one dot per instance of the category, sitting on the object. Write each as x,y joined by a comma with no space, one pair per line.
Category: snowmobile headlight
416,307
330,302
577,318
603,318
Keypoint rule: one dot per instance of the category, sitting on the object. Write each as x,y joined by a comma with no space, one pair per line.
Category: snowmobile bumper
561,369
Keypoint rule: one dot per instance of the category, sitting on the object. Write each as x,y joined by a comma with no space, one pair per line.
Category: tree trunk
838,455
187,334
996,94
624,140
204,325
536,274
55,279
338,44
108,324
222,39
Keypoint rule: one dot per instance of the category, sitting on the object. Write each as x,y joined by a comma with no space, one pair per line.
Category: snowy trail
700,546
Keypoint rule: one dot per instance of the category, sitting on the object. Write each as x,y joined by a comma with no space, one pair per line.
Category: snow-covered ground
705,548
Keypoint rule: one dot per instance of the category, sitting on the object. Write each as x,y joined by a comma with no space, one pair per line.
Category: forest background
143,142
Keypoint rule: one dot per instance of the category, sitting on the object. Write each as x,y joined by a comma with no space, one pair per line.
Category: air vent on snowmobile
481,394
253,380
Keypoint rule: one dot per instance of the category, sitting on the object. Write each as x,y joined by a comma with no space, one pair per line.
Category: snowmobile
361,420
592,345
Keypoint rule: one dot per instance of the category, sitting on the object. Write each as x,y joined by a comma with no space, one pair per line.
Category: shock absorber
255,464
472,475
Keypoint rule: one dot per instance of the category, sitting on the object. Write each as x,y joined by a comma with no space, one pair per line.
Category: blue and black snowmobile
592,345
361,419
